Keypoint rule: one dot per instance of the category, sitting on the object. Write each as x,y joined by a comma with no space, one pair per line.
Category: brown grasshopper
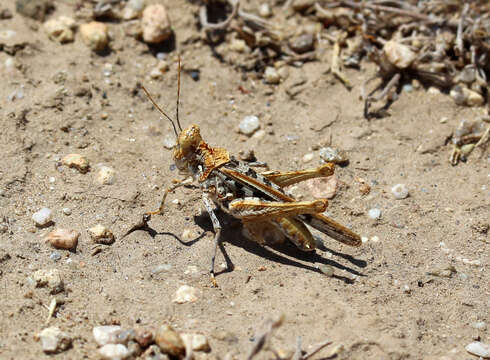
267,212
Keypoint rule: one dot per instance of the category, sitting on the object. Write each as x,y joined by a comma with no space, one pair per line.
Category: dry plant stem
390,9
370,99
484,138
257,21
270,326
335,67
203,16
316,349
297,351
459,37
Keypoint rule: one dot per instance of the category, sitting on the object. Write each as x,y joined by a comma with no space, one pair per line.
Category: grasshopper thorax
193,155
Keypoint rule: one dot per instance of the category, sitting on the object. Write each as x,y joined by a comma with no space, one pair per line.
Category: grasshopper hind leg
276,231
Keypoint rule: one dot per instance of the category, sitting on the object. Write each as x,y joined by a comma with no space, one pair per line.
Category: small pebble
407,88
433,90
302,44
185,294
374,239
169,341
479,349
154,353
133,9
265,10
101,235
143,337
60,29
196,342
406,289
50,278
156,24
326,269
63,239
447,271
53,340
473,98
55,256
95,35
35,9
374,213
114,352
400,191
106,334
76,161
105,175
42,217
329,154
271,76
169,141
398,54
480,325
308,157
9,63
249,125
160,268
238,45
188,234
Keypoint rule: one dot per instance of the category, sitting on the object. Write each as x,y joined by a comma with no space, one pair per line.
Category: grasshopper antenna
161,111
178,98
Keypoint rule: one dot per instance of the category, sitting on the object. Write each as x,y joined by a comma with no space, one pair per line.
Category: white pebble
185,294
480,325
479,349
42,217
53,340
308,157
106,334
101,235
60,29
398,54
249,125
196,342
375,239
169,141
265,10
114,352
161,268
156,24
66,211
105,175
271,76
364,239
374,213
400,191
50,278
76,161
406,289
95,35
9,63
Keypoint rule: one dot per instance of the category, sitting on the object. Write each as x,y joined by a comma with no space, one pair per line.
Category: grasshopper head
186,150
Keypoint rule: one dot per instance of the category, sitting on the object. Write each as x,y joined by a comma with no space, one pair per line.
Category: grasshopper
268,213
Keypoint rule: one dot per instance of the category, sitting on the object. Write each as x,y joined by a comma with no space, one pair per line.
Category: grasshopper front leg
178,183
292,177
208,204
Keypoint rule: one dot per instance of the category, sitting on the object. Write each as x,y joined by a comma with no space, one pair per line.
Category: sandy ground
381,303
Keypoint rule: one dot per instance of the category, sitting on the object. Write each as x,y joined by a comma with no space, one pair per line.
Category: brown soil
380,305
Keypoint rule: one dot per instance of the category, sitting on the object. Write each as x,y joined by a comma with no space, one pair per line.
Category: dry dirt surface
387,299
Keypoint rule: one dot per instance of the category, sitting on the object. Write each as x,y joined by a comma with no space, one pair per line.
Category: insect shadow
232,233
